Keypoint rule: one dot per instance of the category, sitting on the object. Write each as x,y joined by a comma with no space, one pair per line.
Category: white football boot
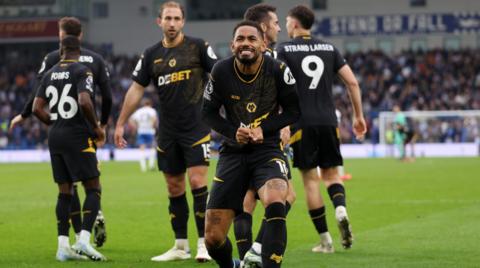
67,254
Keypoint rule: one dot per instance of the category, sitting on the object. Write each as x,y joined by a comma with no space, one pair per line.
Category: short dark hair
71,26
259,13
171,4
70,43
248,23
304,15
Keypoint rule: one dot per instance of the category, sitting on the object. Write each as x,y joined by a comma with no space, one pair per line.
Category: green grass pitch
422,214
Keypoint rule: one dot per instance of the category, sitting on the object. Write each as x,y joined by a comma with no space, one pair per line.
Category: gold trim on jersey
217,179
207,138
206,43
90,149
159,60
303,35
269,50
281,65
307,37
68,60
338,133
211,77
248,82
277,159
163,43
89,73
296,137
160,150
65,64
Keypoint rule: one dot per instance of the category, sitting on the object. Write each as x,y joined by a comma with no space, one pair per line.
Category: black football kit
315,139
178,74
70,137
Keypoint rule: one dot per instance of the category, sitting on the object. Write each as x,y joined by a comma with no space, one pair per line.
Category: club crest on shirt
251,107
172,63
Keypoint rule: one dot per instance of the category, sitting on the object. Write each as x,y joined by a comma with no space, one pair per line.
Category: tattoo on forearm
214,217
278,185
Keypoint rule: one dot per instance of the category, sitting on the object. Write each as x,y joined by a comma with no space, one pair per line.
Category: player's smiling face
172,22
247,44
271,33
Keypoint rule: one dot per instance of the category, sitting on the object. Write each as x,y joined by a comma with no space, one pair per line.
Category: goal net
442,128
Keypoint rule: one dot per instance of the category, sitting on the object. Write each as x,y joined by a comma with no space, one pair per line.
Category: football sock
76,211
153,156
275,238
182,244
143,162
63,241
319,219
337,195
242,227
223,254
199,205
179,215
261,232
62,210
340,171
90,209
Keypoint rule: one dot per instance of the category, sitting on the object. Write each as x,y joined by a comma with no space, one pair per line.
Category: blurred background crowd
432,80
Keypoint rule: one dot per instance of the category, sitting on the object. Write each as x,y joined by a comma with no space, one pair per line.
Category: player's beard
170,36
246,61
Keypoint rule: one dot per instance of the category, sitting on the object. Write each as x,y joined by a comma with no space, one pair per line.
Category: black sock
337,195
64,202
275,237
261,232
76,212
319,219
242,226
223,255
90,208
199,206
179,215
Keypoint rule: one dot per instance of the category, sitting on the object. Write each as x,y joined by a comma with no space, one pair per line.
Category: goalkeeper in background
403,133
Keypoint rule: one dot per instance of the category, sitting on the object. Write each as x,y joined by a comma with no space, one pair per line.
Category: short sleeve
47,64
84,81
41,91
140,74
339,61
208,57
286,83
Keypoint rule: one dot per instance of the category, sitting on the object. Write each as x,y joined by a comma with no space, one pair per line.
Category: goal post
436,123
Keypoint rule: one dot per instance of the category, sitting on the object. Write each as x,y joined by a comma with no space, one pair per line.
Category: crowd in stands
418,81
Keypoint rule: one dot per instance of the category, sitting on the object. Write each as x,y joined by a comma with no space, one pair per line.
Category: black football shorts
237,171
176,155
74,167
314,146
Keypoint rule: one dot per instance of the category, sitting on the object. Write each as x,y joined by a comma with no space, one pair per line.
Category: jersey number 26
316,73
52,91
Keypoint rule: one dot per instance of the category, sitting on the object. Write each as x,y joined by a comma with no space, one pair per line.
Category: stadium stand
419,81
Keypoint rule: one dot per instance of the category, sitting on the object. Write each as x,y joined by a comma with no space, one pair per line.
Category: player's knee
175,189
213,239
197,181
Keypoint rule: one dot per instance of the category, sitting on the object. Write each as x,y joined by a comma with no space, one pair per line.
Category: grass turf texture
422,214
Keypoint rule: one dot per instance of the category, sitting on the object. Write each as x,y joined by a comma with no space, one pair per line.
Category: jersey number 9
316,73
53,92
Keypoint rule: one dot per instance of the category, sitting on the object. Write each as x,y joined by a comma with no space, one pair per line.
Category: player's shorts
409,136
146,139
314,146
74,167
235,171
176,155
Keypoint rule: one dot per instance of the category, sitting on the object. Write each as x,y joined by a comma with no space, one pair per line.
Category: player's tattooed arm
214,217
277,184
39,112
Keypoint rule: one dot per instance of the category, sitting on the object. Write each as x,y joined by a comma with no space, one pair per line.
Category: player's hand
359,127
120,142
256,137
17,119
243,135
100,135
101,142
285,136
